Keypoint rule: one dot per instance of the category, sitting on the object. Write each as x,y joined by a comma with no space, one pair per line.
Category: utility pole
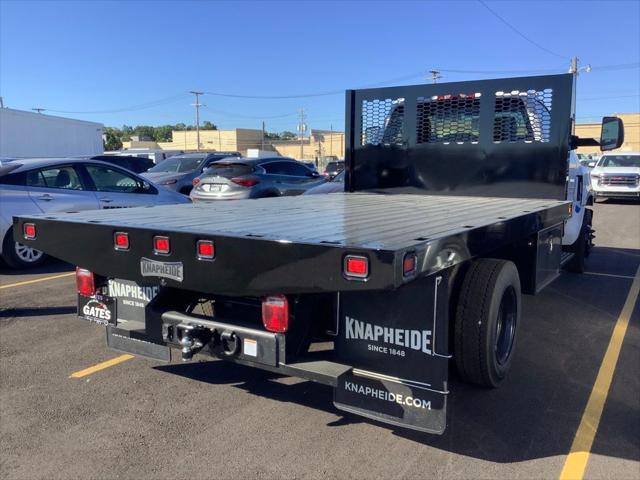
575,70
262,148
197,105
331,140
302,127
435,75
39,110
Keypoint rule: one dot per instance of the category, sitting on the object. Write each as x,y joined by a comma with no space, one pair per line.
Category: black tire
18,256
486,321
582,246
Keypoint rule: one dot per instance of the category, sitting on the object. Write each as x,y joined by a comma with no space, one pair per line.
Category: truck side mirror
612,133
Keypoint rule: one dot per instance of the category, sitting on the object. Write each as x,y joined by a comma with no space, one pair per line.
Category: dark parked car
232,179
130,162
333,169
177,172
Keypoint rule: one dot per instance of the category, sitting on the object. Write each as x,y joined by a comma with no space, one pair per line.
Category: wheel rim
27,254
506,326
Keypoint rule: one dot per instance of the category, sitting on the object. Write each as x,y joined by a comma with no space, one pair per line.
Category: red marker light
121,241
356,266
85,282
206,250
29,231
409,264
275,313
161,245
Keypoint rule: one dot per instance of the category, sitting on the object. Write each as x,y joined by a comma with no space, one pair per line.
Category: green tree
163,133
127,131
145,131
111,140
287,135
207,125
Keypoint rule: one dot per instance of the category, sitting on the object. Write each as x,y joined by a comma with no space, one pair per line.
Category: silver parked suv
236,178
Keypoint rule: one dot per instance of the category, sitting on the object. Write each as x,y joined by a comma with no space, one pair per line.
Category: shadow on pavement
38,311
51,265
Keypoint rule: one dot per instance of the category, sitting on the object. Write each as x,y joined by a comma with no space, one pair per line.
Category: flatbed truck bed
297,244
455,204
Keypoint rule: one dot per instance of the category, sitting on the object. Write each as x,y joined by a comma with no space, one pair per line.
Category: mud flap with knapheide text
397,343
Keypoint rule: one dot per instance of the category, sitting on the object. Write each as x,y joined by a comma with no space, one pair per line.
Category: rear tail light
161,245
206,250
409,264
85,282
275,313
356,266
121,241
245,182
195,181
29,231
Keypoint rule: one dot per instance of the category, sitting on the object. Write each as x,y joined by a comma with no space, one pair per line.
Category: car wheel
17,255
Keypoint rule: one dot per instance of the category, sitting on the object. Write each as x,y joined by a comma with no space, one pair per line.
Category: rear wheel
486,321
16,255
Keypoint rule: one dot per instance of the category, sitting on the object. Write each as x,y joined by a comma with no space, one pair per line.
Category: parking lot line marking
37,280
576,462
101,366
627,277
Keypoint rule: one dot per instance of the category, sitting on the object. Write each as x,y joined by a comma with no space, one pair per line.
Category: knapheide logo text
414,339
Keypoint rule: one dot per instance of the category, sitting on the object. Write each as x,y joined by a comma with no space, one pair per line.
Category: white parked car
617,175
44,185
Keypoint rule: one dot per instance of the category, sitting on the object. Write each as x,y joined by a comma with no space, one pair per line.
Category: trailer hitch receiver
190,338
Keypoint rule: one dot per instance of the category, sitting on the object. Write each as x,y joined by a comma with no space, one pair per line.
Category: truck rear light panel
277,245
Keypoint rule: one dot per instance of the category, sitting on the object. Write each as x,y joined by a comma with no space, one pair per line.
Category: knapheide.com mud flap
397,342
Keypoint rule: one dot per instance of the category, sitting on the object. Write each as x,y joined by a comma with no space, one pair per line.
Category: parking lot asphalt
136,418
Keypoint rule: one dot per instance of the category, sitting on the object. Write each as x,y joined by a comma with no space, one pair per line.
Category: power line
421,74
514,29
141,106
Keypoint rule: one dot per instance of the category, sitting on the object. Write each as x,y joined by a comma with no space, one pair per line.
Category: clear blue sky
105,56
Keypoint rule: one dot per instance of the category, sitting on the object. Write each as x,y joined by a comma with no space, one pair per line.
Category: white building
30,134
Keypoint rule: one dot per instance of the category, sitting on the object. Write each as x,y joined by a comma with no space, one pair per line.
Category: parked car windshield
178,164
229,169
620,161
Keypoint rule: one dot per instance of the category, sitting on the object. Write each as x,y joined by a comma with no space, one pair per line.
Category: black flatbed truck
455,205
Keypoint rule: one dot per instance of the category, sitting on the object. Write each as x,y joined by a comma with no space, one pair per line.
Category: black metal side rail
293,244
